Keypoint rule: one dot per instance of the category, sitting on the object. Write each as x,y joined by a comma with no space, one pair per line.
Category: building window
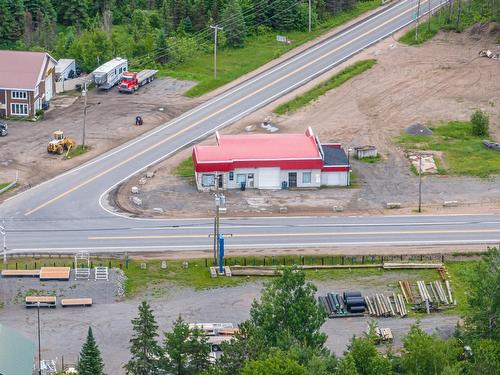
19,109
19,94
306,177
241,178
207,180
231,176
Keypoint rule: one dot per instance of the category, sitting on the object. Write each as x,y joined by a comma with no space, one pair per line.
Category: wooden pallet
43,301
54,273
20,273
76,302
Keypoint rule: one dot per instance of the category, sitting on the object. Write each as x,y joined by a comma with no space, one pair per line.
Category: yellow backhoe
60,144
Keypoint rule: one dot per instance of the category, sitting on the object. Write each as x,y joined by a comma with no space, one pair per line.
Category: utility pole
220,200
39,346
418,17
3,232
216,28
420,183
429,11
84,93
459,14
309,15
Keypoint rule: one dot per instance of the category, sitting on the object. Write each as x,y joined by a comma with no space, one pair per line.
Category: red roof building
270,161
26,82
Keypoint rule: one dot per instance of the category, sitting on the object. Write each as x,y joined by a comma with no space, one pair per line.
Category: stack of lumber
43,301
54,273
20,273
380,305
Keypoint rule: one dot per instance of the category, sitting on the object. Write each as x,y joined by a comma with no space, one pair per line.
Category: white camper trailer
110,73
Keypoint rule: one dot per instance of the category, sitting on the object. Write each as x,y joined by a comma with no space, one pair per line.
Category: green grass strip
337,80
185,168
232,63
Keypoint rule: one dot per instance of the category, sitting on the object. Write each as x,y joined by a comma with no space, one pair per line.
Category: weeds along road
70,211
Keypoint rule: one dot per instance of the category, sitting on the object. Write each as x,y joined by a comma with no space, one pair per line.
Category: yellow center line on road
148,149
310,234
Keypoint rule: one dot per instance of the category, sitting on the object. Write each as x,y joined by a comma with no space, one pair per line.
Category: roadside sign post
221,253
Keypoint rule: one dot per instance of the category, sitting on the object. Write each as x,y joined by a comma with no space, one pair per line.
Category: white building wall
315,177
334,178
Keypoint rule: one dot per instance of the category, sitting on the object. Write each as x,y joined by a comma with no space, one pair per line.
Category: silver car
3,129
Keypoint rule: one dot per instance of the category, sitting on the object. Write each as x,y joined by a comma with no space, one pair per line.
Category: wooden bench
54,273
20,273
43,301
76,302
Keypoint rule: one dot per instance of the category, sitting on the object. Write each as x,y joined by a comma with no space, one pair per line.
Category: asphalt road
71,211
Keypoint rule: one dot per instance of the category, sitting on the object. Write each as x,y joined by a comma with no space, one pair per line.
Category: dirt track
440,81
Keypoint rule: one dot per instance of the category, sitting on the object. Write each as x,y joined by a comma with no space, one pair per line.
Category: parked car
3,129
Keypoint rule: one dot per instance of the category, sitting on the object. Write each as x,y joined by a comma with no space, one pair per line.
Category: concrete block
150,174
134,190
137,201
142,181
338,208
393,205
450,203
158,210
163,264
222,210
283,209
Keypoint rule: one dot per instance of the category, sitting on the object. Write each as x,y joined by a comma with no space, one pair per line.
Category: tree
186,351
144,348
288,313
90,362
427,354
75,13
347,366
367,359
161,46
485,359
480,124
234,24
91,49
284,14
483,316
6,21
276,363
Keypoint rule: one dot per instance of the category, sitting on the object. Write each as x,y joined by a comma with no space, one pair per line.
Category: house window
19,94
19,109
207,180
241,178
231,176
306,177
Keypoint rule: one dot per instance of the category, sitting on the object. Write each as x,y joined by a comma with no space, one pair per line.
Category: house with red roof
26,82
270,161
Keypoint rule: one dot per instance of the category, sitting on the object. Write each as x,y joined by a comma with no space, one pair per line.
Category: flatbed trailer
132,81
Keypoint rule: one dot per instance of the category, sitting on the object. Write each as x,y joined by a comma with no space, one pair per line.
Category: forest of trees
283,337
148,31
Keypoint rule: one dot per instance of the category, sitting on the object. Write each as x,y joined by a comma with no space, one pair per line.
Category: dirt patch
440,81
110,122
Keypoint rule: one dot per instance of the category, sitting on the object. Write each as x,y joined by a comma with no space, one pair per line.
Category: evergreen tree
6,22
288,313
234,24
186,351
75,13
161,46
284,14
15,31
90,362
144,347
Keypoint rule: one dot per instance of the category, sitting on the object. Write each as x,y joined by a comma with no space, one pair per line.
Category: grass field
3,184
321,89
463,153
371,159
185,168
259,49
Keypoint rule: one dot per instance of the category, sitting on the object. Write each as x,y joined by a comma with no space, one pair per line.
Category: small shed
365,152
17,353
64,68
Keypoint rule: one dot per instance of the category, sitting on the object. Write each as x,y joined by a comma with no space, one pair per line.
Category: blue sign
221,253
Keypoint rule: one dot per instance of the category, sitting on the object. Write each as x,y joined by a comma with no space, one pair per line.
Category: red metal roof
287,151
21,69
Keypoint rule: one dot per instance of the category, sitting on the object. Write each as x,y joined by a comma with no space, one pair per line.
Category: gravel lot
442,80
110,320
110,122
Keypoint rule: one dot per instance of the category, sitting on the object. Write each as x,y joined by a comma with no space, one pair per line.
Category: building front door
292,179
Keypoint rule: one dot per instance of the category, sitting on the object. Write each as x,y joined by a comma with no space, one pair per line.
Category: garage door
269,178
48,88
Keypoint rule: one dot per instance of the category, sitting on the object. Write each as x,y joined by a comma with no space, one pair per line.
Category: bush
480,124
